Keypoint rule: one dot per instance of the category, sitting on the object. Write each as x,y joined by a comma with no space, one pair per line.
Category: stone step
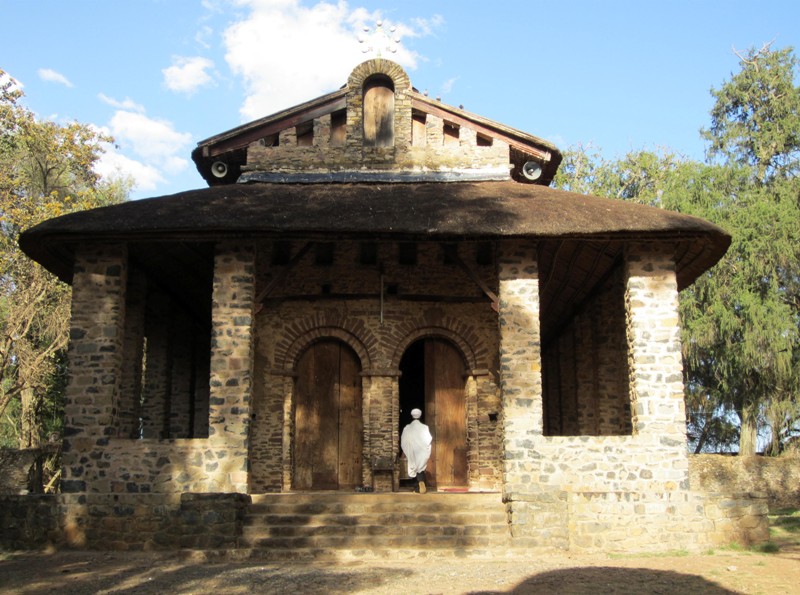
335,525
334,503
378,542
258,531
385,519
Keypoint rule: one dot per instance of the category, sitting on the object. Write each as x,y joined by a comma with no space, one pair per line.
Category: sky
162,75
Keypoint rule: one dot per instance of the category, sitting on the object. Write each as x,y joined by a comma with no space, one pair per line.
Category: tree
755,124
46,169
755,120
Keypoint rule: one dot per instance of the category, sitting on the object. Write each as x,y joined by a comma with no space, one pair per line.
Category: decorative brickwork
457,152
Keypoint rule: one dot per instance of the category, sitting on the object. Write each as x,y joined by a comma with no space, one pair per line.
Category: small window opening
484,254
451,133
449,253
418,131
407,253
273,140
281,252
305,134
368,253
323,254
484,141
392,289
338,128
326,289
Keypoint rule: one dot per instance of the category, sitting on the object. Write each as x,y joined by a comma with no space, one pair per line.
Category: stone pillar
231,381
157,382
95,355
520,362
129,409
383,442
202,348
656,366
181,377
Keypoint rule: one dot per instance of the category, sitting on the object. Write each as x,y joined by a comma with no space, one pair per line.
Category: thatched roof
423,211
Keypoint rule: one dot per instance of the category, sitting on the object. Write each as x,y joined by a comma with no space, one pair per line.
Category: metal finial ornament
379,40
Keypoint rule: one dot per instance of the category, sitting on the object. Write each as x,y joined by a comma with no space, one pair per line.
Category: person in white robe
416,442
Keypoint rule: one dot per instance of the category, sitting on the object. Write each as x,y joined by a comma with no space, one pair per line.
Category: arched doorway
327,418
433,380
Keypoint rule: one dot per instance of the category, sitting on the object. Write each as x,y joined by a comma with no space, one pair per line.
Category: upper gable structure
375,128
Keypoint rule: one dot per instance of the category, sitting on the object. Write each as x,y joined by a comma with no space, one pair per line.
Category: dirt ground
729,570
724,571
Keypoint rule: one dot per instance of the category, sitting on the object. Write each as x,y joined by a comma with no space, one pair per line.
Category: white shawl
416,444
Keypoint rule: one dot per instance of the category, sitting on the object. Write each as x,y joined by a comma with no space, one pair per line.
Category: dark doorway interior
433,381
412,382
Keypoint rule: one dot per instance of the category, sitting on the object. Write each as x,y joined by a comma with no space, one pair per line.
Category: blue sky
161,75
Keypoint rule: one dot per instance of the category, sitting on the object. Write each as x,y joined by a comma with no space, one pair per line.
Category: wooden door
328,423
445,412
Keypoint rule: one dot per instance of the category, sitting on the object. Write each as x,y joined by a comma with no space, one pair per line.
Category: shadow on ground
605,579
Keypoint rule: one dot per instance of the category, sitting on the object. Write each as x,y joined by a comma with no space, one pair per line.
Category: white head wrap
416,413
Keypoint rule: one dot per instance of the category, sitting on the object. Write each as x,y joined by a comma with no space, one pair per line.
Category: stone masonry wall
777,477
428,153
95,460
287,325
122,522
95,355
573,490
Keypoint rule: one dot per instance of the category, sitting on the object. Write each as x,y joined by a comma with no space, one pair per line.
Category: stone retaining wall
778,477
123,522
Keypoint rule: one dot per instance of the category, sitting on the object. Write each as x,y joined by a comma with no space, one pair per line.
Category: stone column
157,382
520,362
383,440
656,366
181,377
95,356
232,351
129,409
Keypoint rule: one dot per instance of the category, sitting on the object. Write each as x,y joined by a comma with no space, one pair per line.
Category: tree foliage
46,170
755,120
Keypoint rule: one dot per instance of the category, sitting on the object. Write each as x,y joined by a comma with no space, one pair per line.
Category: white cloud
113,164
187,75
203,36
151,139
447,86
51,76
286,53
126,104
145,149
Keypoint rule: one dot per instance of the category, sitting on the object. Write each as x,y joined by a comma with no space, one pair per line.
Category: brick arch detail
378,66
287,357
462,335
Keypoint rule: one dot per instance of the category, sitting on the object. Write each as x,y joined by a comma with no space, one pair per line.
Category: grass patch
667,554
768,548
784,526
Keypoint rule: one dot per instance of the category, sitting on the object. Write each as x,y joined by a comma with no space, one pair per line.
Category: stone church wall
298,312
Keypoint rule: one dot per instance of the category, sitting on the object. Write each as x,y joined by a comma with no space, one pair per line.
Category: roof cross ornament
379,40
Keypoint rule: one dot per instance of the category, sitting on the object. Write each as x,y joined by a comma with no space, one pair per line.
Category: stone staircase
342,526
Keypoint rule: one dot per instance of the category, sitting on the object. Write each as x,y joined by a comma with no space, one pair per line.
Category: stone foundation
125,522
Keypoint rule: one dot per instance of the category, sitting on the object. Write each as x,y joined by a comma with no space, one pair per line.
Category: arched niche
378,102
